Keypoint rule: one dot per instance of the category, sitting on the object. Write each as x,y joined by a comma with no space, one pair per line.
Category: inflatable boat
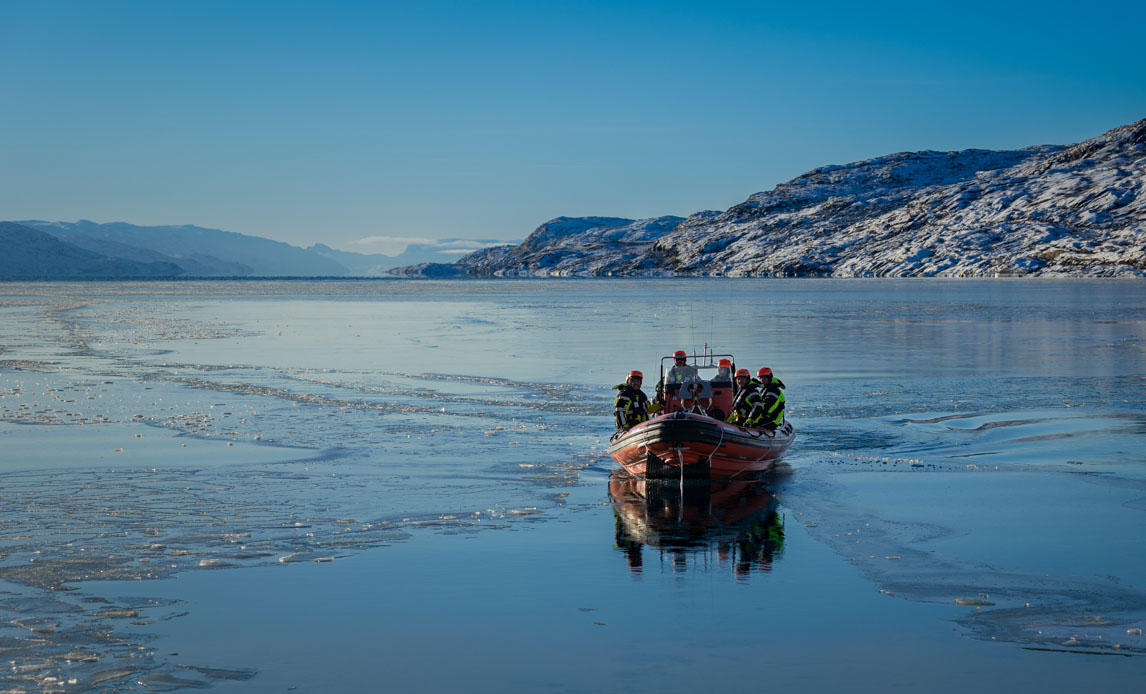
689,439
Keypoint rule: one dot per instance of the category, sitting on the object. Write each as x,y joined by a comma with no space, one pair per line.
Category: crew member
772,398
747,408
721,390
632,406
680,371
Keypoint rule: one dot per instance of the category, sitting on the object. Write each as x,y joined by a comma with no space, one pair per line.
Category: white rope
718,444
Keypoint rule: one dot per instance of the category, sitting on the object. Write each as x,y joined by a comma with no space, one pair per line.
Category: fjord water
401,483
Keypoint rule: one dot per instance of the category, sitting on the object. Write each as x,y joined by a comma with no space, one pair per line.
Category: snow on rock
1042,211
564,247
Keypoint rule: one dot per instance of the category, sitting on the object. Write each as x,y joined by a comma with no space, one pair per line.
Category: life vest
631,407
747,408
774,403
680,374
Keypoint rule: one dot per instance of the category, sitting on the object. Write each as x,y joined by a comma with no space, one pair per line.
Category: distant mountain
560,247
1049,210
195,265
356,264
370,265
1043,211
200,252
442,251
197,251
30,253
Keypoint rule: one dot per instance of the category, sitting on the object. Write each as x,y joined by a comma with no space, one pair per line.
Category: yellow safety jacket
773,404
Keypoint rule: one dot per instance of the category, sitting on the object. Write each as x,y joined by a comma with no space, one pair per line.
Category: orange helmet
742,372
679,354
636,374
764,371
724,362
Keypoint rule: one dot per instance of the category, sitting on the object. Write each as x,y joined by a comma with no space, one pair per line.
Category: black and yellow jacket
747,408
773,403
631,407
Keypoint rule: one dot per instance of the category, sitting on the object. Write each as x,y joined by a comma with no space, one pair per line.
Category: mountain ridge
1046,210
189,251
31,253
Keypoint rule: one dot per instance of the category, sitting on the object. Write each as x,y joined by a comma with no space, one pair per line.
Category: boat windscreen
720,374
672,375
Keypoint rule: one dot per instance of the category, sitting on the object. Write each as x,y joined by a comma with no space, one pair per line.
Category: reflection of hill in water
710,524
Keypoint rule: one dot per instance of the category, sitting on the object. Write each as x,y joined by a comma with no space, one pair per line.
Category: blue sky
340,121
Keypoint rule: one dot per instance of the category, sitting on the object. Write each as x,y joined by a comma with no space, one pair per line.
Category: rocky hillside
564,246
1044,211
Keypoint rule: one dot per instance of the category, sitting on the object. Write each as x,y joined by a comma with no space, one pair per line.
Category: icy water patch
508,624
166,504
1069,584
118,468
964,450
1078,439
1028,519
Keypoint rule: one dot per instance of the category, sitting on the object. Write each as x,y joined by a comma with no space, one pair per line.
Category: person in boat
680,371
632,405
678,374
772,398
722,390
747,408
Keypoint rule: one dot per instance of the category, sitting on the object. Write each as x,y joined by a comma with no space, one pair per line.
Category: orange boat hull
694,446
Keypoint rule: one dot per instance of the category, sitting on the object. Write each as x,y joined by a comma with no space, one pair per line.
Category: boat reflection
710,525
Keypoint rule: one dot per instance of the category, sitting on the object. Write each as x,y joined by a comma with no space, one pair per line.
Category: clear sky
340,121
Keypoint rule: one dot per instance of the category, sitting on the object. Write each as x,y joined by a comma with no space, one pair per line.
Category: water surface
348,483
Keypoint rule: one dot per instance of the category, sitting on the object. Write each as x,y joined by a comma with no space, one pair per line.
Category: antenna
692,326
710,321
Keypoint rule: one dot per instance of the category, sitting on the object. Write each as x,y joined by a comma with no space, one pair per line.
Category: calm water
350,485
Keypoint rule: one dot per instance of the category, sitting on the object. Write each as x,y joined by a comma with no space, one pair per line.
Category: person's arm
757,410
621,411
652,407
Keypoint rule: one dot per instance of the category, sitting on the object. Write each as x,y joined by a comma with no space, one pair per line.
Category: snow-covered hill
563,246
1047,210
